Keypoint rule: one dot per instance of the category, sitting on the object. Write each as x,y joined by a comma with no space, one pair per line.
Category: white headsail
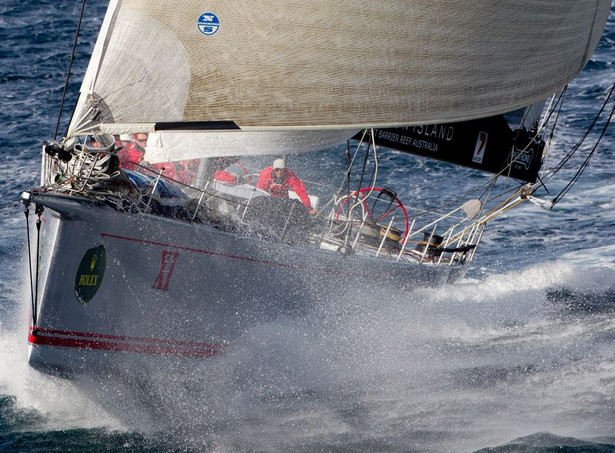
296,64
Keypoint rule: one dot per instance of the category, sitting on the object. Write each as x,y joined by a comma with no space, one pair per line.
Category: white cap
125,138
278,163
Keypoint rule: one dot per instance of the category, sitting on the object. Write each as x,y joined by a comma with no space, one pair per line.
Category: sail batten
300,65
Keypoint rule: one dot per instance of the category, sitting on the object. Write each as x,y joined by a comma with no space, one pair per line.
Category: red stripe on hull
69,333
41,337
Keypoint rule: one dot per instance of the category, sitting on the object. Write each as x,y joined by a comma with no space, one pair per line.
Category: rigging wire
350,164
490,184
556,112
27,213
548,175
487,187
70,66
555,104
585,163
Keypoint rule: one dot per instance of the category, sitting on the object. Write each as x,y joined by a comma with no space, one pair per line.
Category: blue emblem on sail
208,23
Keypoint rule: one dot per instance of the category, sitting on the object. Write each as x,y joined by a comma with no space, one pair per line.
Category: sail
161,65
487,144
173,146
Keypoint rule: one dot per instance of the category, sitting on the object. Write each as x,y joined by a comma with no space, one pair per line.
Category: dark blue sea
518,357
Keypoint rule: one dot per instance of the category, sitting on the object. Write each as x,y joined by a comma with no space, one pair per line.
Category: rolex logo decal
90,274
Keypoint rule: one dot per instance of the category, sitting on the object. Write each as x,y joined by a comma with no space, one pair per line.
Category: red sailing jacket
266,183
183,171
130,156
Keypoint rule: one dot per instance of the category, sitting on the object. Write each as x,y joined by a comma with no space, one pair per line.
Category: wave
469,365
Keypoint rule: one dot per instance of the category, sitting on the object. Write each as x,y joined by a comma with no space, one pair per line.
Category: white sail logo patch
208,23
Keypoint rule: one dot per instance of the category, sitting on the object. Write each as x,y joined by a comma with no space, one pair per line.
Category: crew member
131,152
277,179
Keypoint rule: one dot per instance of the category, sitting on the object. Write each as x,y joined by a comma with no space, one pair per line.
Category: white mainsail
322,65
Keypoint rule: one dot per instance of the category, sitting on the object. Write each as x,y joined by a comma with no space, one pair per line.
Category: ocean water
518,357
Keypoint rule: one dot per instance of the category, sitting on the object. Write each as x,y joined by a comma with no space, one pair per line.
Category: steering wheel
378,204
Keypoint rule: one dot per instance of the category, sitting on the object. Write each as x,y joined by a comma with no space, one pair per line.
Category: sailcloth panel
172,146
321,64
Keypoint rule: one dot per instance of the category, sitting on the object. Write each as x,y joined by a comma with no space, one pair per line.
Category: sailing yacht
129,262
